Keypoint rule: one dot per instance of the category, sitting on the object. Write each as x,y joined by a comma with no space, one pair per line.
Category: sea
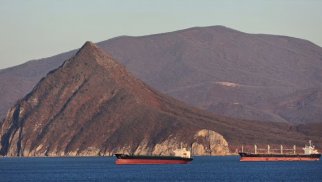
201,169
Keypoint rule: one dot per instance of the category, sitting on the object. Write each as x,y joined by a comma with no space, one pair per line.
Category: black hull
279,157
144,157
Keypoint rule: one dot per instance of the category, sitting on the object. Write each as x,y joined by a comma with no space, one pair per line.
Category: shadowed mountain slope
300,107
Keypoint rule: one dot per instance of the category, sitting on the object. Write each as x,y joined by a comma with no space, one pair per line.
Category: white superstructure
183,152
310,149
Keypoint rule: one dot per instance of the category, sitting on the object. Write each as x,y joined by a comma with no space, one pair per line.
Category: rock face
209,67
92,106
210,143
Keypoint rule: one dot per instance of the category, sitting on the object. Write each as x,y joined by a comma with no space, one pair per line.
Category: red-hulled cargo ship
279,157
182,156
310,154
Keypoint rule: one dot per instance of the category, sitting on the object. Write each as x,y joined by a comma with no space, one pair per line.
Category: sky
34,29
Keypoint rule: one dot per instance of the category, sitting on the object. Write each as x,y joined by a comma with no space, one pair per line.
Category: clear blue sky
32,29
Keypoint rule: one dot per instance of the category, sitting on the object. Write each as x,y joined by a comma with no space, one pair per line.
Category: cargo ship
181,156
310,154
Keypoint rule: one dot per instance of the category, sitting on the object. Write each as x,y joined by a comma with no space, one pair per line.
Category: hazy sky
33,29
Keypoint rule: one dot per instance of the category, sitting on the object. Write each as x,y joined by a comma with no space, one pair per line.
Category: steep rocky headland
91,105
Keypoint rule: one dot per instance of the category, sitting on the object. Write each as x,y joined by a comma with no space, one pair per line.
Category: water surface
201,169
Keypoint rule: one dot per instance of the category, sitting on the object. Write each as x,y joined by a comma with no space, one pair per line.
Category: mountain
91,105
237,110
207,67
17,81
213,66
301,106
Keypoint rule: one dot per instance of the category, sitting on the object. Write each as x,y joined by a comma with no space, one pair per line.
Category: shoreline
231,155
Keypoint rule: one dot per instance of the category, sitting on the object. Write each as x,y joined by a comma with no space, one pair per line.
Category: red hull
150,161
278,159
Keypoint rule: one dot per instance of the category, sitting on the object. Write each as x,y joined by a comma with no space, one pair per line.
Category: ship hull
278,157
128,159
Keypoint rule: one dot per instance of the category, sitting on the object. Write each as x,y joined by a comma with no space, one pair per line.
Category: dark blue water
201,169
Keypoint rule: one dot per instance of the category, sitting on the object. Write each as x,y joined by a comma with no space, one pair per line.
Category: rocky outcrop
205,142
209,143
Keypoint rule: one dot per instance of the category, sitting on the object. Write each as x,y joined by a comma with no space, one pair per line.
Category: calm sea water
201,169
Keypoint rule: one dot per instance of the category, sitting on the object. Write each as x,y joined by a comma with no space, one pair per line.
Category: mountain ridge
277,65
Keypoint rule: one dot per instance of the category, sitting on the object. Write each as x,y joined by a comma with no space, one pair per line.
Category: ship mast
255,147
281,149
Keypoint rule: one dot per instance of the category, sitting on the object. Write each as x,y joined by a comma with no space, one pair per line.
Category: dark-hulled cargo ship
310,154
182,156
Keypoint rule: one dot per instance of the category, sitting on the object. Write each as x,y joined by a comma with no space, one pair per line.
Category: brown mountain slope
92,106
212,65
17,81
300,106
195,65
